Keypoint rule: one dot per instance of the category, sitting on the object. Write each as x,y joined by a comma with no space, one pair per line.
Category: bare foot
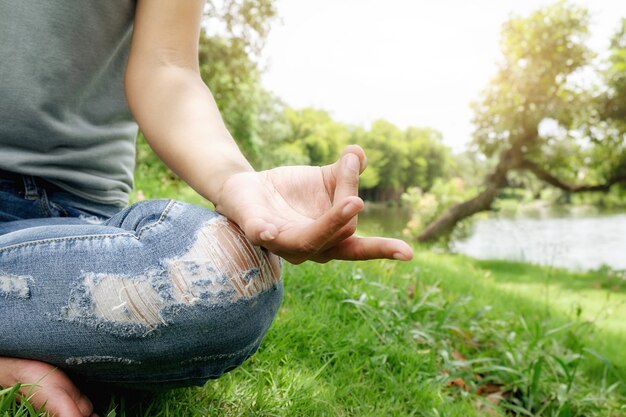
49,385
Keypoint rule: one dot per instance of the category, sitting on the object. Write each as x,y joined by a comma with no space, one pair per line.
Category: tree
388,153
429,158
317,134
400,159
248,21
538,114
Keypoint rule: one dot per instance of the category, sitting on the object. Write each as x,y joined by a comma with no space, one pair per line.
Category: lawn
442,335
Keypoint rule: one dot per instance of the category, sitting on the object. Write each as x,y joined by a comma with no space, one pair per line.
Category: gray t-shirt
63,113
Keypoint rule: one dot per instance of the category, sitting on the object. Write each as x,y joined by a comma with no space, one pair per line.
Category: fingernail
267,235
400,256
352,162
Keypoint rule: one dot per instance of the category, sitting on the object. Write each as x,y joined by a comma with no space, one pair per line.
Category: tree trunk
446,222
572,188
509,159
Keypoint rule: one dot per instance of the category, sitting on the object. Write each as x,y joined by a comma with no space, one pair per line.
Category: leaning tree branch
495,182
544,175
451,217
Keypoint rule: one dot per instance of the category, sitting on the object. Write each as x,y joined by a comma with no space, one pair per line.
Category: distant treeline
397,158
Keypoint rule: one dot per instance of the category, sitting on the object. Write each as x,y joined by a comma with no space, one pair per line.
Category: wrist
221,186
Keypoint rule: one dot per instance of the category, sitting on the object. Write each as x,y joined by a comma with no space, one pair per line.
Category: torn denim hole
221,267
119,304
81,360
14,286
222,260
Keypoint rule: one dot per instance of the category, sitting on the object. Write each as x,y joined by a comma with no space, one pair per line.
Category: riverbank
441,335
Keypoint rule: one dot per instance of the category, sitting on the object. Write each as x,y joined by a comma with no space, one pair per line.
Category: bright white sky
412,62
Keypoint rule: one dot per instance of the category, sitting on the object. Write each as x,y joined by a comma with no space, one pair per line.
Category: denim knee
162,294
203,312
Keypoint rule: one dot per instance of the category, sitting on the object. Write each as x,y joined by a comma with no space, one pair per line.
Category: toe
84,405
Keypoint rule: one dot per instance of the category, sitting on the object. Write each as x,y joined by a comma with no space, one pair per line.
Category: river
574,240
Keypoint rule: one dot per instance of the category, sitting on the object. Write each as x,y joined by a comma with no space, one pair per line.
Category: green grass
442,335
14,404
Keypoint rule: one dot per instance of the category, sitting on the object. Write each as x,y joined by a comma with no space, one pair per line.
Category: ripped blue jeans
159,294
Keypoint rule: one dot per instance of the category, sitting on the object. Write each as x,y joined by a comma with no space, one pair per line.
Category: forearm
178,115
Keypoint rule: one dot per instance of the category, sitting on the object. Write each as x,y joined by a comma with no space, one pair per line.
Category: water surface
580,239
573,242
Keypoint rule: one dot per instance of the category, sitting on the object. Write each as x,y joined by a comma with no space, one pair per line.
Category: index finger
313,237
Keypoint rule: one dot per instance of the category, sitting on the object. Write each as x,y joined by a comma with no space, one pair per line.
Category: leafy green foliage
609,131
540,55
614,104
543,96
247,21
399,159
313,135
